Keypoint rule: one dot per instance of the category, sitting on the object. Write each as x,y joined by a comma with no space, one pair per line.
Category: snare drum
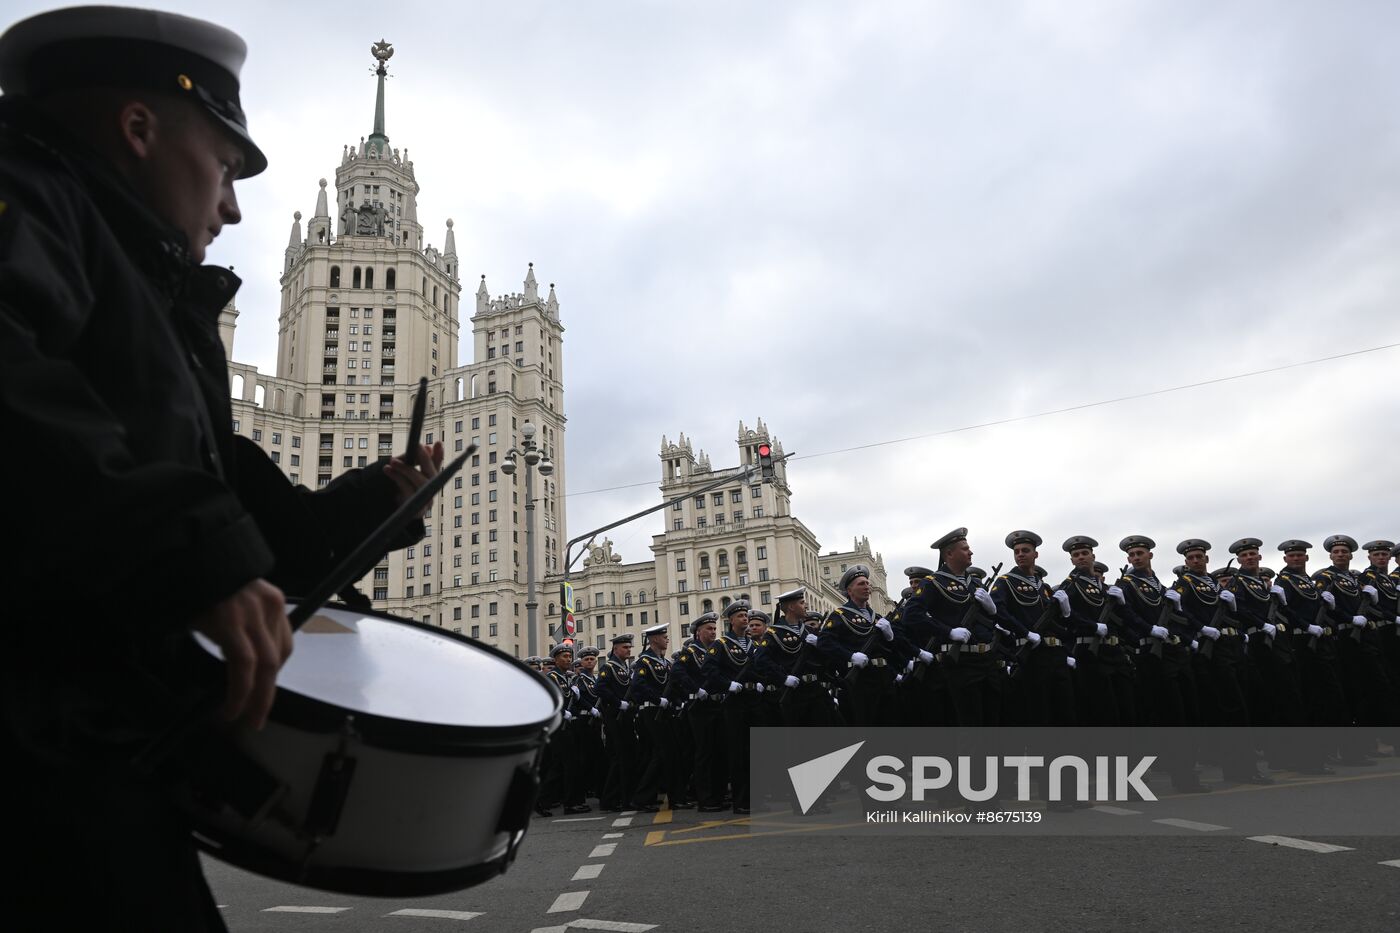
399,760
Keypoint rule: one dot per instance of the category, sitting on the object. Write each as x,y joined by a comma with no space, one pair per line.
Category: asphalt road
1214,863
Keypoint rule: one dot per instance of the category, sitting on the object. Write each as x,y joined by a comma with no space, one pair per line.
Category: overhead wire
1052,411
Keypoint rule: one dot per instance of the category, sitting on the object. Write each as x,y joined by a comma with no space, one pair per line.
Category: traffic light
765,462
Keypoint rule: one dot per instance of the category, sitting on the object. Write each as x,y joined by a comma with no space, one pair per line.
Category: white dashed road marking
1393,863
1117,811
569,900
613,835
304,910
1191,824
1304,844
578,819
437,914
587,873
603,851
623,821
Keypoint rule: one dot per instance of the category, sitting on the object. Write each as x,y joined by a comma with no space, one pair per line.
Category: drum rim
299,711
369,882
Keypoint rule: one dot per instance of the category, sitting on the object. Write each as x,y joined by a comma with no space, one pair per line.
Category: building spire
322,210
295,241
382,52
532,288
450,247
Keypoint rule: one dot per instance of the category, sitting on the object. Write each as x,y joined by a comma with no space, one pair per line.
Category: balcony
329,370
387,353
332,335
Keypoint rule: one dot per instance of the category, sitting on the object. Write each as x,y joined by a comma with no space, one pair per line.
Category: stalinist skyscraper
367,308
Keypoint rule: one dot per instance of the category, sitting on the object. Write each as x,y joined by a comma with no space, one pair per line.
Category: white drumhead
374,665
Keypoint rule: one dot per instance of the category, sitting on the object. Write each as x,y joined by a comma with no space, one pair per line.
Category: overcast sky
871,220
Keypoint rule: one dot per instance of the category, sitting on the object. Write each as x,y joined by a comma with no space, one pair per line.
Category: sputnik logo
811,778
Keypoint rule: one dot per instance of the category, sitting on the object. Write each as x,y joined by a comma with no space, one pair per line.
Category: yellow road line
663,816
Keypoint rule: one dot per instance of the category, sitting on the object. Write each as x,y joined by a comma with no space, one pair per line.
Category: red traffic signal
765,462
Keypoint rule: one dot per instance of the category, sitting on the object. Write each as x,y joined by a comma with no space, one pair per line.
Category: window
762,574
348,462
758,511
684,608
476,629
763,552
756,492
276,437
257,434
680,586
493,609
296,459
680,564
381,592
699,502
408,592
296,440
736,495
717,499
677,506
701,522
765,598
494,626
678,524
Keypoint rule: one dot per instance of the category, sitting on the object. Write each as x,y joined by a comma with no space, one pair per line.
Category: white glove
908,668
925,657
885,628
1370,591
568,716
791,681
624,706
1033,638
1117,593
985,600
1173,595
1271,629
960,635
1280,592
1315,631
858,659
1070,661
1102,629
1212,633
700,694
665,703
1159,632
1358,621
1397,620
1329,599
1195,645
735,686
758,688
1062,598
596,713
899,678
574,688
810,638
1228,598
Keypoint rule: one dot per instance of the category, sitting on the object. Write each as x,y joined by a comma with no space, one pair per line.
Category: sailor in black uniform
863,642
1104,643
729,671
619,726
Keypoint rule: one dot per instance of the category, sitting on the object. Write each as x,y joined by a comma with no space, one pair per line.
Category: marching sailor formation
1240,645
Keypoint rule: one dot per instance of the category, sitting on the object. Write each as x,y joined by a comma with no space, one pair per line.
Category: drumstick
348,570
415,428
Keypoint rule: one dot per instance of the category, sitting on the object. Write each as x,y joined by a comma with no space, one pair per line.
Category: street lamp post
535,461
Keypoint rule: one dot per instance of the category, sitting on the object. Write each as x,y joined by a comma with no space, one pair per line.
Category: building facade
738,540
368,307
